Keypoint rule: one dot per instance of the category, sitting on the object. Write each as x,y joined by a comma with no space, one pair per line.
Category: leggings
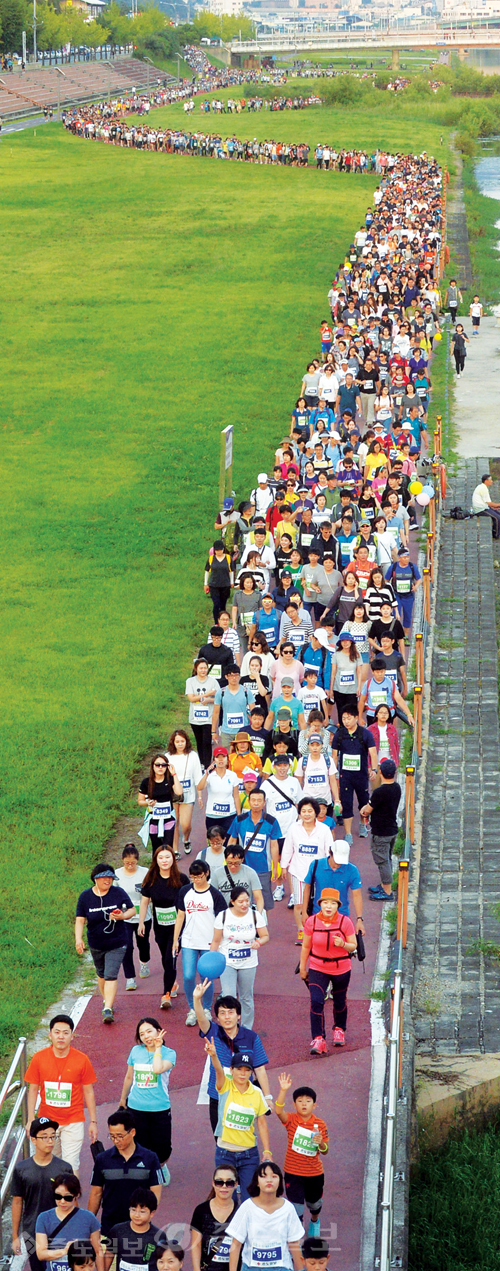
164,937
318,984
459,360
203,739
142,945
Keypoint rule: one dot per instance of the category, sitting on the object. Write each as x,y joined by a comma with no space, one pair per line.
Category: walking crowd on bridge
295,706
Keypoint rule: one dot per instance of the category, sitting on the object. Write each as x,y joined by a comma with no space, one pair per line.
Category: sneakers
107,1015
191,1018
279,892
175,990
338,1037
318,1046
165,1002
144,970
363,830
378,893
300,937
187,847
130,986
314,1228
291,903
348,839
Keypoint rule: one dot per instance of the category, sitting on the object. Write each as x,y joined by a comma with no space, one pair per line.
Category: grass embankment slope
482,223
146,303
454,1226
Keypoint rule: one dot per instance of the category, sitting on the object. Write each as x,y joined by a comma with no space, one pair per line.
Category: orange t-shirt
302,1157
60,1082
238,763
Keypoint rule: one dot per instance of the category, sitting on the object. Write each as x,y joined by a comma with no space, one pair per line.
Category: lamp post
59,72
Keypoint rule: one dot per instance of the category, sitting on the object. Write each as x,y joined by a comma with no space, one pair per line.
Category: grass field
453,1224
146,303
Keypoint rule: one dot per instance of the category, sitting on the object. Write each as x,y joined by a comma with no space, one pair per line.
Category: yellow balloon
415,487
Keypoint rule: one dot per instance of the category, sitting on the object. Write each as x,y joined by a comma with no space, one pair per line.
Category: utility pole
59,72
34,31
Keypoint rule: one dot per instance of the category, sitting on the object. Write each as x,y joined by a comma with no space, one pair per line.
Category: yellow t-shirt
287,527
237,1113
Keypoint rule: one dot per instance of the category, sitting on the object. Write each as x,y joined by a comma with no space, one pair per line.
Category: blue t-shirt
226,1046
259,856
149,1091
321,660
269,624
344,877
402,578
80,1226
234,709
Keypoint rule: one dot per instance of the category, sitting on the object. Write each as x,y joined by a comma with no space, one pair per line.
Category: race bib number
236,720
282,807
393,529
351,763
316,780
403,586
130,1266
248,620
216,670
368,513
346,680
162,810
267,1257
236,1117
238,955
60,1265
58,1094
258,744
186,785
378,699
144,1077
222,809
302,1142
259,843
308,849
297,638
201,715
222,1250
166,917
310,704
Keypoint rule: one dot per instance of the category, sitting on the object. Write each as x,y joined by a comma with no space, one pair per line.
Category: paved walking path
456,997
477,393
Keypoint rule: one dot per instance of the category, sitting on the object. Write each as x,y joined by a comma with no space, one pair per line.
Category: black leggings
142,945
214,1112
164,937
459,360
345,699
203,739
318,984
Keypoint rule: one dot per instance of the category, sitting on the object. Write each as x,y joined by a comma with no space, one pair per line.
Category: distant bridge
426,36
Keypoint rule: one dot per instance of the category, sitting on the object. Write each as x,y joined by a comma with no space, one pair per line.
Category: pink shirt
294,672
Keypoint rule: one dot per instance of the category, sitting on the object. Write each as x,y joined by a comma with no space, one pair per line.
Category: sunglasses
159,765
62,1196
224,1182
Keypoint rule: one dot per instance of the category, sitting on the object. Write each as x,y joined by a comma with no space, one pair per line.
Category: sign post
226,463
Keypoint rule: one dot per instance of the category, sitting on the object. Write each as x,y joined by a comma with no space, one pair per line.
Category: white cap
322,637
262,476
336,436
341,851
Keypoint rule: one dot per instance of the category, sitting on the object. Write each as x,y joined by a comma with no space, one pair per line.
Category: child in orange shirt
307,1143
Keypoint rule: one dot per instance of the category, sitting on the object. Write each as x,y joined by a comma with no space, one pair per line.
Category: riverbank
483,215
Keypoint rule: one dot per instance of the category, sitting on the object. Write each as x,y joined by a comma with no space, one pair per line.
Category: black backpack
459,514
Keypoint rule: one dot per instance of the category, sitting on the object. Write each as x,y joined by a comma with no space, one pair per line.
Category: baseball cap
322,637
220,750
314,737
287,680
330,893
249,774
281,759
42,1123
388,768
336,437
341,851
228,504
284,713
262,476
242,1059
404,551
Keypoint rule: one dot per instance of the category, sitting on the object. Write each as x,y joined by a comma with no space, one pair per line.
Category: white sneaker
207,1012
130,986
279,892
191,1018
291,904
144,970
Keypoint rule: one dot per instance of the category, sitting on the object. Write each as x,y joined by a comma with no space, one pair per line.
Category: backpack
459,514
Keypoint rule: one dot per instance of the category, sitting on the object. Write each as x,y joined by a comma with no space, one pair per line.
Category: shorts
265,883
299,1189
297,889
107,962
475,322
347,788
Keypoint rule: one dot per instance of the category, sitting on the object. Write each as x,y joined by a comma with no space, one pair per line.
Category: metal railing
395,1039
13,1141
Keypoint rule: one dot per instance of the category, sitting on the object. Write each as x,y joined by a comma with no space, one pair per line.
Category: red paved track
282,1019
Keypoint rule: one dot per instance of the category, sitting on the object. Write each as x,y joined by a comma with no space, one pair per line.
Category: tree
209,26
15,18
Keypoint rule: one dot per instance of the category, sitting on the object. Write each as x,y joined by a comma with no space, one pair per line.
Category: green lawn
146,303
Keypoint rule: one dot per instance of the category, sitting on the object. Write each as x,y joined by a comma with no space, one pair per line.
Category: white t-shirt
188,769
220,794
300,849
317,773
311,698
238,935
481,498
201,712
276,803
264,1236
198,929
132,884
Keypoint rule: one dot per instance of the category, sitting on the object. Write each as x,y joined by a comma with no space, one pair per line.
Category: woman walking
186,764
266,1230
200,692
325,958
157,794
161,886
104,907
145,1088
209,1243
223,796
239,934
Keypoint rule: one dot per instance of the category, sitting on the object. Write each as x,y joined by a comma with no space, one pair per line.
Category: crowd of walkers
295,704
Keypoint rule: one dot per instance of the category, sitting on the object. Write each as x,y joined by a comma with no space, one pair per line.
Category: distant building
91,8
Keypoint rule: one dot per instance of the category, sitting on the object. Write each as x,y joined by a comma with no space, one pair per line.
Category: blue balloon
429,489
211,965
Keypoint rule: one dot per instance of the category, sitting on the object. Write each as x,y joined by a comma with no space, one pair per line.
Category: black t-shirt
393,628
103,932
385,802
357,746
163,895
34,1184
214,1248
163,792
220,656
119,1178
135,1247
251,687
